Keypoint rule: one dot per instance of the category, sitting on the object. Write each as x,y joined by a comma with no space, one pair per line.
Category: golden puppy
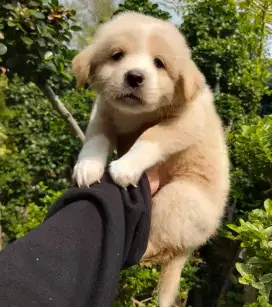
148,85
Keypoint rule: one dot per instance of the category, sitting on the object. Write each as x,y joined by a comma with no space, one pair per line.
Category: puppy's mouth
129,99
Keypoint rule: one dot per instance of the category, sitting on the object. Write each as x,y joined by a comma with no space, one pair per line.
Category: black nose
134,78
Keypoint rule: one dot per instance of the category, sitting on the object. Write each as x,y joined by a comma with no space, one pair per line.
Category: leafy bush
251,144
35,34
138,285
255,235
143,6
27,218
224,44
41,147
5,115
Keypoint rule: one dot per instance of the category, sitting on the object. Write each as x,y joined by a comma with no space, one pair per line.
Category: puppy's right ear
81,66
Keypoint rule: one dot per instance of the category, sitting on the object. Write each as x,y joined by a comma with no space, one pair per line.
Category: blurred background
43,118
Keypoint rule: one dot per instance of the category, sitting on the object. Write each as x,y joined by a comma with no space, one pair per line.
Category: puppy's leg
93,156
170,280
183,217
155,145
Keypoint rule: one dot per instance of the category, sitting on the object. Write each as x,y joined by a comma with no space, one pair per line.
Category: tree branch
62,111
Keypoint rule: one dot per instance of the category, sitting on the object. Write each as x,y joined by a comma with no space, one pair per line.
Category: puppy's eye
117,56
159,63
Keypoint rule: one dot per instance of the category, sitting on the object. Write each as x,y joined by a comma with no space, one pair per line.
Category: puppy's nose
134,78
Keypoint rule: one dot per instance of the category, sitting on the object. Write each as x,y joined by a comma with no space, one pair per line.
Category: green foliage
251,144
138,285
27,218
145,7
42,149
255,235
34,35
261,10
89,15
5,114
224,44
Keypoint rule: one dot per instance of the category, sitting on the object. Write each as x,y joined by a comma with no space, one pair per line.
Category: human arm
75,256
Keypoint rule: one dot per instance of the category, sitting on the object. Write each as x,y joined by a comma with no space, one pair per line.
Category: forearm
74,258
100,136
158,143
97,147
92,159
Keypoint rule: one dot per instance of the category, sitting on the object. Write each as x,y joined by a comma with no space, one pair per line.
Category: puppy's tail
170,279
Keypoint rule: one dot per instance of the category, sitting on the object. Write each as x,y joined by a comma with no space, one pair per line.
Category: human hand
153,176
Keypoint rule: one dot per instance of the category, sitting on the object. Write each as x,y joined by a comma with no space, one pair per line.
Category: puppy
151,92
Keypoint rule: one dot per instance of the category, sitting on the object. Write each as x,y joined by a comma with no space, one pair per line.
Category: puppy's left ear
81,65
193,81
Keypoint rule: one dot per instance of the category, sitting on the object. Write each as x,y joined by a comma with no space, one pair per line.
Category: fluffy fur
169,120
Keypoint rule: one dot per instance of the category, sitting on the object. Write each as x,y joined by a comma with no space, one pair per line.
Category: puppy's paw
88,171
124,173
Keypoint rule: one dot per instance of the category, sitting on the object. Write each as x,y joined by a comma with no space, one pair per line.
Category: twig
139,303
62,111
267,191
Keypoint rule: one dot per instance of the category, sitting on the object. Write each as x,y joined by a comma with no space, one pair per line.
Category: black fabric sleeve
74,258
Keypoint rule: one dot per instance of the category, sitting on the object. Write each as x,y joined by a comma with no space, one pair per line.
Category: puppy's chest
127,124
128,131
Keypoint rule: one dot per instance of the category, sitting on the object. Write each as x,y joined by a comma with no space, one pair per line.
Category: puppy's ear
81,65
192,80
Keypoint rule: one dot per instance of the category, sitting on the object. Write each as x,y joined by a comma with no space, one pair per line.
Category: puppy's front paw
88,171
124,173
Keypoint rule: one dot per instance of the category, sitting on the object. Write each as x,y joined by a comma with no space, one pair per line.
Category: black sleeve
74,258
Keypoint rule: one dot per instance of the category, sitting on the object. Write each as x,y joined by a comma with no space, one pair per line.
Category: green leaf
268,231
76,28
242,269
33,3
48,55
268,206
253,260
243,281
258,285
27,40
267,278
11,23
234,227
38,15
64,25
55,3
3,49
67,76
1,26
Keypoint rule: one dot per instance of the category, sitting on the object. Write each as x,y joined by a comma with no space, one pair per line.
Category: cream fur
173,123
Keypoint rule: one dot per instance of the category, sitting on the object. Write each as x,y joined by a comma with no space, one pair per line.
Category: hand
153,176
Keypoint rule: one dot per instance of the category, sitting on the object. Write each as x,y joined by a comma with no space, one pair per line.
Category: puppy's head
138,63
